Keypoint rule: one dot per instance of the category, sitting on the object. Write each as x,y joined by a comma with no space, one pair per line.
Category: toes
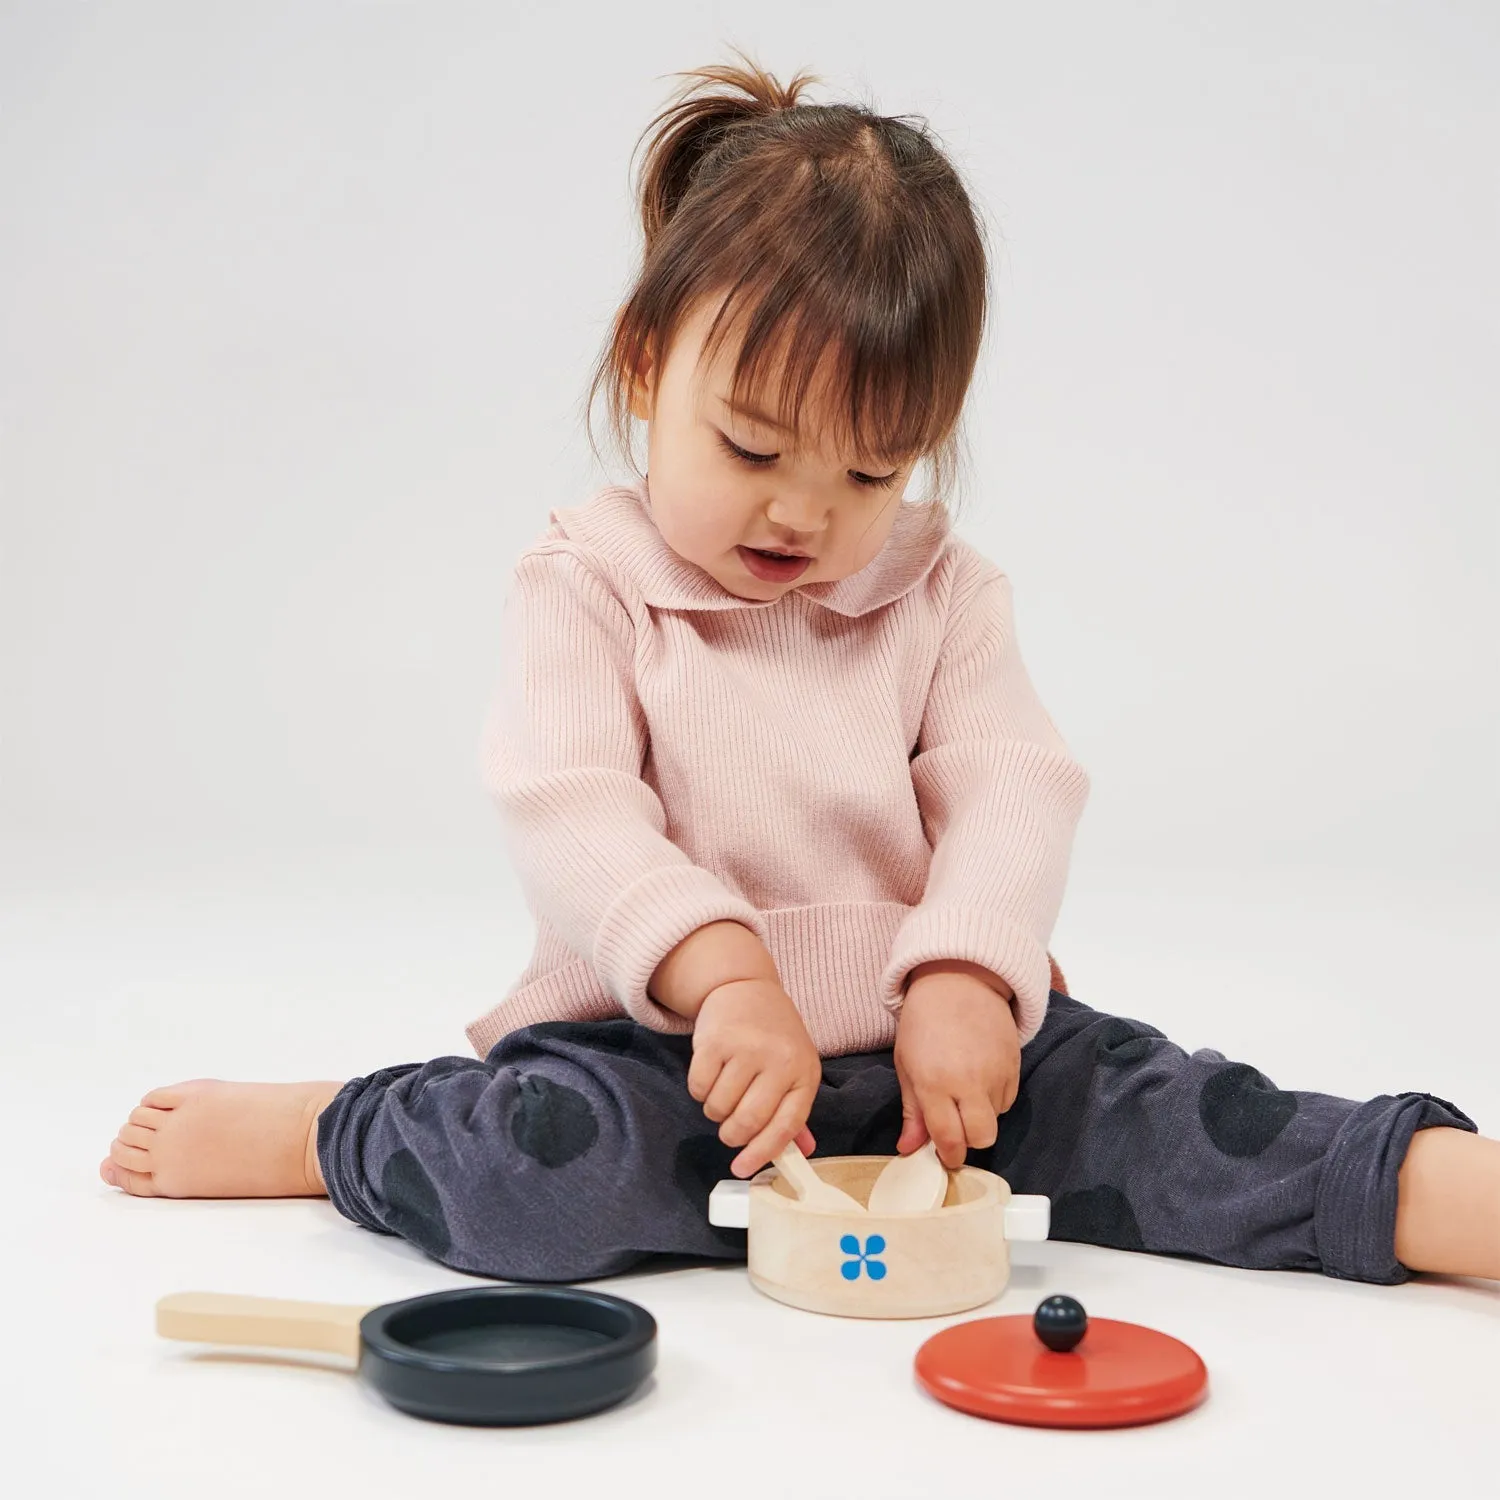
137,1184
147,1117
173,1094
137,1135
132,1158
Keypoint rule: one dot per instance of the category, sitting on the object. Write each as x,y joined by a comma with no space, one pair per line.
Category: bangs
836,370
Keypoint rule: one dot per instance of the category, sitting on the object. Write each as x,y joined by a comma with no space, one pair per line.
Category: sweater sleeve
563,751
1000,798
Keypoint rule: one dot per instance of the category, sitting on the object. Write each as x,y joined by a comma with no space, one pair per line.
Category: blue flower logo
863,1259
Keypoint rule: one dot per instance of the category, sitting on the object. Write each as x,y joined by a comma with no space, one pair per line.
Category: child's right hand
754,1068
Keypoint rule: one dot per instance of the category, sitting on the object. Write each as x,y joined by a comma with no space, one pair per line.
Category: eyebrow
757,416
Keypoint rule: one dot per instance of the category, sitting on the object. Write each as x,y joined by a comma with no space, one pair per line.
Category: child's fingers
946,1127
913,1130
788,1123
806,1143
1003,1098
755,1108
913,1127
703,1073
729,1088
981,1128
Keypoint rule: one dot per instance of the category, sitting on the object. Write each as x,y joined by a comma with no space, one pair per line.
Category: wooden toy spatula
913,1184
810,1189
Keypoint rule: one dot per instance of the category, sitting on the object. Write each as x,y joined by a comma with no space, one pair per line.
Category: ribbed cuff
341,1139
978,937
1354,1217
647,921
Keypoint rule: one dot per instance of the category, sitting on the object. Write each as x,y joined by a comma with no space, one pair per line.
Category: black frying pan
490,1356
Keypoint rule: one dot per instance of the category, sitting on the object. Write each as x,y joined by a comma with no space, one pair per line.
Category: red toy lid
1119,1375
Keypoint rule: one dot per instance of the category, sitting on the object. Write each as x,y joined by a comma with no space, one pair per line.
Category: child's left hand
958,1059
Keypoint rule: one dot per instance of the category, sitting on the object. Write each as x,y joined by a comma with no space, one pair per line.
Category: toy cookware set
519,1355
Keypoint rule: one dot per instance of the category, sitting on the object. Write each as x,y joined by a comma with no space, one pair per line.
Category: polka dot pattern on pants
551,1123
414,1210
1098,1216
1243,1111
1012,1129
1120,1043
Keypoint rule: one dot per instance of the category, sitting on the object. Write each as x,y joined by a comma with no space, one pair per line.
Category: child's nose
800,512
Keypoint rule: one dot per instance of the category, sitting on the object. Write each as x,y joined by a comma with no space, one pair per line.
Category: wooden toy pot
863,1265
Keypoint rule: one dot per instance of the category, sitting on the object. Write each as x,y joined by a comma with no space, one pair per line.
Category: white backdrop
297,303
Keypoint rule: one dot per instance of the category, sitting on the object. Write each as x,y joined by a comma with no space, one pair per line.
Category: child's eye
750,458
758,459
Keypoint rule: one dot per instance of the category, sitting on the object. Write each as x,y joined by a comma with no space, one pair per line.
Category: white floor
114,978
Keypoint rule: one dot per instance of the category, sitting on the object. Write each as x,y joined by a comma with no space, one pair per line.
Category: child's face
709,503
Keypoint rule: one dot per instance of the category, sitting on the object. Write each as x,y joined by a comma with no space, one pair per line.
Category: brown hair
825,228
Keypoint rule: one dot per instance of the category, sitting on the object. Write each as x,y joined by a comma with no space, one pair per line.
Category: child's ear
642,388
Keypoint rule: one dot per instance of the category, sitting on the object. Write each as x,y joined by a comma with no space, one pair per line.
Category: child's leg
211,1139
1143,1147
572,1151
1448,1213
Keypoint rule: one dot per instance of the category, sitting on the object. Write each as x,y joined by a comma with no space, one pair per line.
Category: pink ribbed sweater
859,771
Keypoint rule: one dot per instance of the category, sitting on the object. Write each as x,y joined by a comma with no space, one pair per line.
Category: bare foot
209,1139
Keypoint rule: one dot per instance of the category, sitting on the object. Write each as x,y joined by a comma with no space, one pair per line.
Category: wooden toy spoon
811,1190
913,1184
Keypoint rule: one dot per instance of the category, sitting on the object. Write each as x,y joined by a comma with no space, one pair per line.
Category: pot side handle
729,1204
1028,1216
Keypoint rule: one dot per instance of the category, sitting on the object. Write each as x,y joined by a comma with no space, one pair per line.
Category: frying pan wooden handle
214,1318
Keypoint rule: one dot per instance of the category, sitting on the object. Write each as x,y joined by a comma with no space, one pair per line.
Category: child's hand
958,1060
756,1069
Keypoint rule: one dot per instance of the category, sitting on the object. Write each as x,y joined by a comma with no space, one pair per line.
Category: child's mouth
774,567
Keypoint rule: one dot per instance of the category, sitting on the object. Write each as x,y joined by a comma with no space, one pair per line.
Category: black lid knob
1060,1323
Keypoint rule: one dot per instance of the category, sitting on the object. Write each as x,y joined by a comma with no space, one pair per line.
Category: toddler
790,818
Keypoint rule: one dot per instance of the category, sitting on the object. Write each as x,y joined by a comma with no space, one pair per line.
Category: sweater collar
617,524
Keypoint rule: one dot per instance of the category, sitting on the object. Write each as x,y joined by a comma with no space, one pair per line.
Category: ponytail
691,128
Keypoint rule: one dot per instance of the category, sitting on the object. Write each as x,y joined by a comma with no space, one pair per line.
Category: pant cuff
1354,1216
341,1137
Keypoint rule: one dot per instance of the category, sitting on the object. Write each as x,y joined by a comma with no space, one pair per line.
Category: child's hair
831,228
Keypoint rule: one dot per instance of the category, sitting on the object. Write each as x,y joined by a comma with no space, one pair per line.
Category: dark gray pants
574,1151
